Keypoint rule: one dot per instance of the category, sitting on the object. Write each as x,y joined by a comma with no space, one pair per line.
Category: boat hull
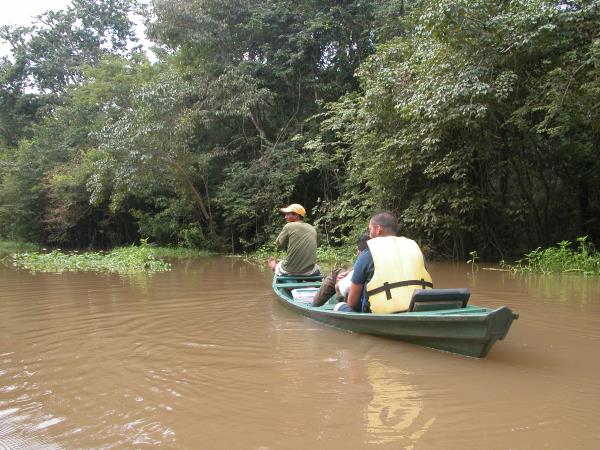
470,331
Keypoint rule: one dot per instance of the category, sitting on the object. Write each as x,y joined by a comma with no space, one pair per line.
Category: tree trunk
200,202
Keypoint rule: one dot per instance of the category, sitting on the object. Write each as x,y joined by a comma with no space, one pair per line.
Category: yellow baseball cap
294,208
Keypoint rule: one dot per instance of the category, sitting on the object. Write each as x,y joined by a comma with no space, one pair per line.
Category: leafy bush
193,237
561,259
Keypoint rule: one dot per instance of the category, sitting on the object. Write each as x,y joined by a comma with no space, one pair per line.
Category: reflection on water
395,414
571,288
205,357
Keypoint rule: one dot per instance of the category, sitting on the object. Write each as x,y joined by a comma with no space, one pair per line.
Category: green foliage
326,256
462,129
123,260
336,256
46,180
475,121
120,260
169,223
14,246
178,252
193,237
473,261
50,55
561,259
252,191
268,66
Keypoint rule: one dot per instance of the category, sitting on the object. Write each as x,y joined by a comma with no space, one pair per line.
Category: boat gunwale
470,312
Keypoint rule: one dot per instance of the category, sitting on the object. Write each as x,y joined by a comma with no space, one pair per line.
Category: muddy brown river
204,357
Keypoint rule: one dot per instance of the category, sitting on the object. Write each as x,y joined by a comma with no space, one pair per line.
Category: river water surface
204,357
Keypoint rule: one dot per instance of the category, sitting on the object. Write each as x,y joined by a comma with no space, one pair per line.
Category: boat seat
298,285
435,299
282,278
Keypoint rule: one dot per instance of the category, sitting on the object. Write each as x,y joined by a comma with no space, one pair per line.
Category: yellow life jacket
399,270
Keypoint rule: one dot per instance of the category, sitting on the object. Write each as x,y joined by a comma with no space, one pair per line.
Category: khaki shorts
279,271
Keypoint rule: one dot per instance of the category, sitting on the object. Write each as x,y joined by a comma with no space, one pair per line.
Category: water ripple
204,357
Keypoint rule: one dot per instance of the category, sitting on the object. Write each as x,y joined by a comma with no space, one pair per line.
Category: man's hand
342,274
354,296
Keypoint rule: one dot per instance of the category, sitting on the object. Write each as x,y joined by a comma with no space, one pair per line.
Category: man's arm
354,296
360,276
282,238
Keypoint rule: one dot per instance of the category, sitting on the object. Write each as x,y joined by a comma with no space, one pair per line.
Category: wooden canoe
469,330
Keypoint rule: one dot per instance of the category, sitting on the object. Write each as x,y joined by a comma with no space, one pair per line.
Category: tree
48,56
45,196
153,148
463,128
299,55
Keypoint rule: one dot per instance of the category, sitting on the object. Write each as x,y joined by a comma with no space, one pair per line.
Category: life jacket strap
387,287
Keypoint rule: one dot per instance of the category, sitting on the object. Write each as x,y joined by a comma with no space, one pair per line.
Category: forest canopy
477,122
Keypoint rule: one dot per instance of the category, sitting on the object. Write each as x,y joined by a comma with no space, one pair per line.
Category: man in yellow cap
300,239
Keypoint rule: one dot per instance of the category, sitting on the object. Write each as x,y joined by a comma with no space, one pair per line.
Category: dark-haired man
388,272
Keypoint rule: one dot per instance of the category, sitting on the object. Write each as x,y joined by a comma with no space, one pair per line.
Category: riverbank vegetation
123,260
327,257
562,258
475,121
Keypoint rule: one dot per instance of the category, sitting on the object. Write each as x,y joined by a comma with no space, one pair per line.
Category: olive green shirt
301,241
